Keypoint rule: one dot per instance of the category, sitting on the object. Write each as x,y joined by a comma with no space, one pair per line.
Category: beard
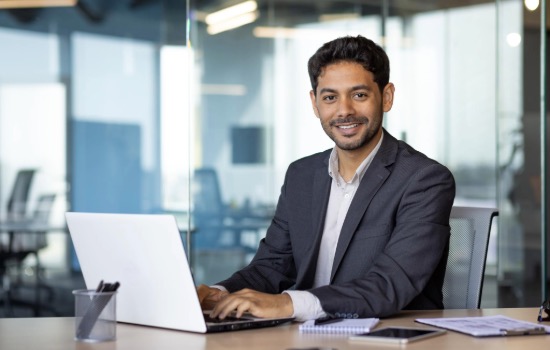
356,141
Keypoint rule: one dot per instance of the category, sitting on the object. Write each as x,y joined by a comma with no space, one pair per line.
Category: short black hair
353,49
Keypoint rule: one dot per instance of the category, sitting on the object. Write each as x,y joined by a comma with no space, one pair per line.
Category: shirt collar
360,172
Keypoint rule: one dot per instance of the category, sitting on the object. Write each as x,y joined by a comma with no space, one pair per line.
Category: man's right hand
209,297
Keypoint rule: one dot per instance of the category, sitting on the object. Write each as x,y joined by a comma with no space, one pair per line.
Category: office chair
470,231
22,245
16,211
17,202
18,245
209,212
214,237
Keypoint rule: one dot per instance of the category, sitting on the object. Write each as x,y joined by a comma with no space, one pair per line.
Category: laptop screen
145,254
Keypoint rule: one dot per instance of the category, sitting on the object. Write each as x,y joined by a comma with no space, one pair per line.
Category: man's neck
349,161
347,166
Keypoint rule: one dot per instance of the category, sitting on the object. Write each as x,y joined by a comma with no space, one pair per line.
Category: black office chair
16,246
209,212
25,245
16,211
470,232
17,202
213,238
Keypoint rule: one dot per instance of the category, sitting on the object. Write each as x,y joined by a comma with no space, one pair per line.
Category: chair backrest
17,202
34,241
207,198
470,230
43,208
209,212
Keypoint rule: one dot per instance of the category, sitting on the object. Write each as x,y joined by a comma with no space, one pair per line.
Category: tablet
397,335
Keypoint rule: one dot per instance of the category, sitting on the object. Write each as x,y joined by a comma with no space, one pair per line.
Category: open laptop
145,254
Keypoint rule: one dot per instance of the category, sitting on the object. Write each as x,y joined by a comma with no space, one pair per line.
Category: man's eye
329,98
360,95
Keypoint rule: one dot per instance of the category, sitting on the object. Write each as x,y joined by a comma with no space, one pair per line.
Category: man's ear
387,97
314,103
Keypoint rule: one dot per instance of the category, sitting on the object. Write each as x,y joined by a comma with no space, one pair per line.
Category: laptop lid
145,254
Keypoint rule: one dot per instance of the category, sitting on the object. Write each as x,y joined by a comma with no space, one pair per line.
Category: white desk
57,333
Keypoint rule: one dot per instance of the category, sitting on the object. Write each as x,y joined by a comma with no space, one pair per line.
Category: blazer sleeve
415,252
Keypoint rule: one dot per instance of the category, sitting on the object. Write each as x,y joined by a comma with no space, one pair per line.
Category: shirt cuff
217,286
306,305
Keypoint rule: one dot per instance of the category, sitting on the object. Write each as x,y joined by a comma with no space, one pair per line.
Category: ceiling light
513,39
278,32
329,17
295,33
531,5
231,12
232,23
7,4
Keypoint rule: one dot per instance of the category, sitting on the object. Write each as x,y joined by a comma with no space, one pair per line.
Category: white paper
482,326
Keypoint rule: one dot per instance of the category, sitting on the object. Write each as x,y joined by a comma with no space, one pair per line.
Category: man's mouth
349,122
348,126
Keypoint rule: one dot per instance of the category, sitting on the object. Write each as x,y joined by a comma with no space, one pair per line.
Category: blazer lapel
375,176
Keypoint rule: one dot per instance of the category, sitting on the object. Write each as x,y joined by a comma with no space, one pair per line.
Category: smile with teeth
348,126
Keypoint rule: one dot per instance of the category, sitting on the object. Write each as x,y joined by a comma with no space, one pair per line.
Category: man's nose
345,107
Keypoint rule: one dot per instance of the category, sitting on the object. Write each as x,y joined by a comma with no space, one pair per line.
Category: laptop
145,254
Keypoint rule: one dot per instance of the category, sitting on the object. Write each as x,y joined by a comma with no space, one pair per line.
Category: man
361,230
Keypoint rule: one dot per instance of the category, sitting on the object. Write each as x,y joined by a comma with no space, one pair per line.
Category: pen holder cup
95,316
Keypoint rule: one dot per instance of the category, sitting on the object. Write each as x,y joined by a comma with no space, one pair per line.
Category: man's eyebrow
354,88
326,90
361,87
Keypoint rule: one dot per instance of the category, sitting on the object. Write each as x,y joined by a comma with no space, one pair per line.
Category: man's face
350,105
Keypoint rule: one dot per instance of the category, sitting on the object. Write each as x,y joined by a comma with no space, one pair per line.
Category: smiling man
360,230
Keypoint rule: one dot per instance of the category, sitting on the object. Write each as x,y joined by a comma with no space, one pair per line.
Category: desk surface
57,333
29,226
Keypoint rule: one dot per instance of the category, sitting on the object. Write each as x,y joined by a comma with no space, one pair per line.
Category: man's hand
256,303
209,297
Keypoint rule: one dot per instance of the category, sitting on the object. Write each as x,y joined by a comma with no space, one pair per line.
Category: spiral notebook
345,326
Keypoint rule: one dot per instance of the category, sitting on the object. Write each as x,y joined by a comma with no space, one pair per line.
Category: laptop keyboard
207,318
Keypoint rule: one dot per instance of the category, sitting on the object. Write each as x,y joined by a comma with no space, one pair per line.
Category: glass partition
88,110
460,93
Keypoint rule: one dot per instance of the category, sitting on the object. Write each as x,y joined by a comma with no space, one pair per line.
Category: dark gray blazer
393,246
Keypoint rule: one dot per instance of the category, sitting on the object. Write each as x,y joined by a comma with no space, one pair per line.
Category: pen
115,286
327,320
100,286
